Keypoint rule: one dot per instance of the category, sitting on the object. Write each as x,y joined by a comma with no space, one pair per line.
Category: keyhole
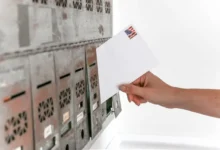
81,104
67,147
95,96
82,134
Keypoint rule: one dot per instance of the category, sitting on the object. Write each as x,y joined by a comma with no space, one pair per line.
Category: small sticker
131,32
18,148
80,117
66,116
48,131
95,106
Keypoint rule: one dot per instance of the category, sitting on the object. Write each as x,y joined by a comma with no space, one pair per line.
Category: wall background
184,35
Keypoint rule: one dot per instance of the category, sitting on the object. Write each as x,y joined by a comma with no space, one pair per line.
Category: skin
150,88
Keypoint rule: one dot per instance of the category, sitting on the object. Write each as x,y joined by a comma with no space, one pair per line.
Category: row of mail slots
90,5
51,100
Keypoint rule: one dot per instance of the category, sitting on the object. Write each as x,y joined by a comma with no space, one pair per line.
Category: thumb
132,89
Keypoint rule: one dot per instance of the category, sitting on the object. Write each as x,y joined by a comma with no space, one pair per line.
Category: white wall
185,37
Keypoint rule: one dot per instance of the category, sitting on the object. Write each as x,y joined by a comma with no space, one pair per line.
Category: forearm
202,101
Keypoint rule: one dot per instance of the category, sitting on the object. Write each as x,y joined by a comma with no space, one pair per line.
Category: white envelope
122,60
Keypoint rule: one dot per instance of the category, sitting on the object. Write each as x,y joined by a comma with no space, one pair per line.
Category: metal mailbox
63,71
79,96
45,103
93,90
15,106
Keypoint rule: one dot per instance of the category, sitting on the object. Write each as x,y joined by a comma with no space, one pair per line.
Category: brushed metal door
45,103
15,106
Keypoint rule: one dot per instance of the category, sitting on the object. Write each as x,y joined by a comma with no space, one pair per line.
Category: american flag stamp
131,32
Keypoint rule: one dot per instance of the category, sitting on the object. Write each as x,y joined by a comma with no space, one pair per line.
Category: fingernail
122,88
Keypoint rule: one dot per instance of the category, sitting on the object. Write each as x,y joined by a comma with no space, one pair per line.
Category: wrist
181,97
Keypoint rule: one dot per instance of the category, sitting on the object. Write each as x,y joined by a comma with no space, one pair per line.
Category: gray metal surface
117,104
63,71
93,90
43,44
45,104
82,134
53,21
15,105
104,112
23,17
92,22
79,96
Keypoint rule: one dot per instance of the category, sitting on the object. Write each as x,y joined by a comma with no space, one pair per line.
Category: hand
150,88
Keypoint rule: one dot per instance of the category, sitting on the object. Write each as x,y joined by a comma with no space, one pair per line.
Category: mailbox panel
45,103
16,112
63,69
93,90
79,96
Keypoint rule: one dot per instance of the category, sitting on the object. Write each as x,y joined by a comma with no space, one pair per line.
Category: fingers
135,94
138,100
138,103
129,96
143,101
133,90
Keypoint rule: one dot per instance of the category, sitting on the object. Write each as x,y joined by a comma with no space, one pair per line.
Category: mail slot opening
14,96
65,76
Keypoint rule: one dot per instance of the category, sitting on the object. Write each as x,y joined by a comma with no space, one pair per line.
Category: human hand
150,88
